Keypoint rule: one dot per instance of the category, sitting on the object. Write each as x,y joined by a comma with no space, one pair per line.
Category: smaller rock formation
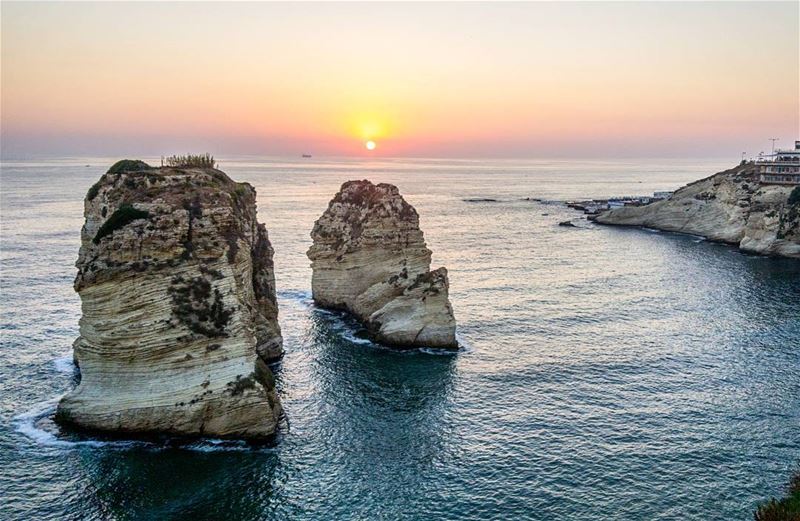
730,206
369,257
179,316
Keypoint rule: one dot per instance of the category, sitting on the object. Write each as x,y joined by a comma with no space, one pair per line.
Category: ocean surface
606,373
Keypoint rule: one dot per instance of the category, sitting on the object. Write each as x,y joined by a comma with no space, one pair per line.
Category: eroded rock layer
179,315
369,257
731,206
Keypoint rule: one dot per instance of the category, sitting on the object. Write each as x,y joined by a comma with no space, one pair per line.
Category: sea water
605,373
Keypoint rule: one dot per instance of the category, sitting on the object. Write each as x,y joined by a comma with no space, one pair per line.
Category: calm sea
607,373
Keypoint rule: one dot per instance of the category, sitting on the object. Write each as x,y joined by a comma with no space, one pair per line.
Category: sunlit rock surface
369,257
731,206
179,315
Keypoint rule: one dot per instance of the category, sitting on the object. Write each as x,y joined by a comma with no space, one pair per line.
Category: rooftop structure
781,167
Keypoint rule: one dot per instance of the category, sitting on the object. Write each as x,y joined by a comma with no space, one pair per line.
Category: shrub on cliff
200,306
94,190
122,216
124,165
191,161
128,165
794,197
784,509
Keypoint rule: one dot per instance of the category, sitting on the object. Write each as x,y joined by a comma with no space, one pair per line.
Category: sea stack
740,206
369,257
179,316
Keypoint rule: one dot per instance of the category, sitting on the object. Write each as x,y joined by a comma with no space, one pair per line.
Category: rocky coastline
732,206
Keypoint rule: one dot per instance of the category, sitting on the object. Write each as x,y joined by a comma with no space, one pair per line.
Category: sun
370,145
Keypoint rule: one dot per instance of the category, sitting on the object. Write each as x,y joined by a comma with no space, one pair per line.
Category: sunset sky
443,80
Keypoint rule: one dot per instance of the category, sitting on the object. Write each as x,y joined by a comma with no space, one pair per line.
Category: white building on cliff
781,167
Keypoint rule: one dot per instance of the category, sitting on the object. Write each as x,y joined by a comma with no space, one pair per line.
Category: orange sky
448,80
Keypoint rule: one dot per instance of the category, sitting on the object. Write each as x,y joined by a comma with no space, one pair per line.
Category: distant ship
306,155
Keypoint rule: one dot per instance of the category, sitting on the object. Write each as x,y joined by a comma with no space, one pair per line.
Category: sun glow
370,145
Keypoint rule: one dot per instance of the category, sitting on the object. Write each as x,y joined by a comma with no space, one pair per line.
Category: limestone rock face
731,206
369,257
179,315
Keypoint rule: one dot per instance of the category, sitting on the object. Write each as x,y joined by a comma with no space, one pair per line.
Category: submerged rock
179,317
731,206
369,257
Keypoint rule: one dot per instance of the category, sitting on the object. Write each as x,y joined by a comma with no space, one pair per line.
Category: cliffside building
782,167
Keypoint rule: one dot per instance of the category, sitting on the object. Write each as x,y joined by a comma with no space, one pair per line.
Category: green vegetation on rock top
94,190
128,165
122,216
124,165
794,197
191,161
785,509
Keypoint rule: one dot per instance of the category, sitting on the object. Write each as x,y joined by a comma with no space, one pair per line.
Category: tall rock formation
731,206
369,257
179,315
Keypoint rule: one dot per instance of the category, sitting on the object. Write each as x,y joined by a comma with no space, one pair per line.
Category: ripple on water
608,374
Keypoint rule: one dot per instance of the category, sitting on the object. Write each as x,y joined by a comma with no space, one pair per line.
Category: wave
463,345
65,364
352,337
348,329
296,295
28,422
436,351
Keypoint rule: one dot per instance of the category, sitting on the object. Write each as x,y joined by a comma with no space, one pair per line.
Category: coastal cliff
179,316
730,206
369,257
